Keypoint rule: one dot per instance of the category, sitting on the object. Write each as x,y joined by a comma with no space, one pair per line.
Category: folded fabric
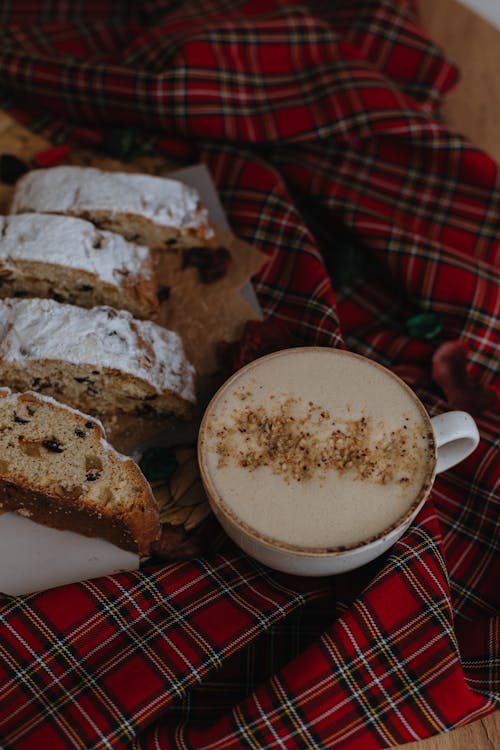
318,123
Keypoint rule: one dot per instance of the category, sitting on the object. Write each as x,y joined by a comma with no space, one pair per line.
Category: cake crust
57,468
70,260
102,361
156,211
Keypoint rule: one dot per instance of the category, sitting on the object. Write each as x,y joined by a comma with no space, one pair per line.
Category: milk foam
322,508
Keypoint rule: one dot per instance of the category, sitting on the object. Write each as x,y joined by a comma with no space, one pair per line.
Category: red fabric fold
318,123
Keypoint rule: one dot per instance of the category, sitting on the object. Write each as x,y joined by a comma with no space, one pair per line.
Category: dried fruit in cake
70,260
154,211
57,469
101,360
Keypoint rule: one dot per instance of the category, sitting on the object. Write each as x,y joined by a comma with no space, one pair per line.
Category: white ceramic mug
453,436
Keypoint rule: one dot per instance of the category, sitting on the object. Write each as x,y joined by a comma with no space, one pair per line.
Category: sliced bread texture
155,211
57,469
70,260
102,361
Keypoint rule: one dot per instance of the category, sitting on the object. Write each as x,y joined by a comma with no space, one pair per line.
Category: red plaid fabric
318,123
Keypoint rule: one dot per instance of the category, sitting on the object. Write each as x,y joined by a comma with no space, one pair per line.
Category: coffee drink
316,449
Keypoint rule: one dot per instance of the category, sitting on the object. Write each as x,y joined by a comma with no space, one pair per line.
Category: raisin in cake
71,260
102,361
57,469
155,211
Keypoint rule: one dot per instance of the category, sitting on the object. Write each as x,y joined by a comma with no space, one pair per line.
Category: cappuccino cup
316,460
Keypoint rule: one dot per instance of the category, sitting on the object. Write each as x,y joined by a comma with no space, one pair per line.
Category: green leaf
424,326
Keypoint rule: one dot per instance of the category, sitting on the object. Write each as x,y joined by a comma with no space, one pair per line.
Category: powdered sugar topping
32,329
164,201
75,243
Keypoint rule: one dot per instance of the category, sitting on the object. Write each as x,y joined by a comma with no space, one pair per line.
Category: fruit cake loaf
72,261
57,469
155,211
102,361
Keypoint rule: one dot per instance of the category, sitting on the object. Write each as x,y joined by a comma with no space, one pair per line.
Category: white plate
34,557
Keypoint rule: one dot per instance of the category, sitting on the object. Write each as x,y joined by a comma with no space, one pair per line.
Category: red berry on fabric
51,157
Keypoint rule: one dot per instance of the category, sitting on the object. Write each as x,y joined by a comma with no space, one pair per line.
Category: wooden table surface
473,109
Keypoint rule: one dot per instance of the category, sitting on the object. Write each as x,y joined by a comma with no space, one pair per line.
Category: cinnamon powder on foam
301,440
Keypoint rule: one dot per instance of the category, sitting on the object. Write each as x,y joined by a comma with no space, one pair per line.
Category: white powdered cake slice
70,260
102,361
57,469
155,211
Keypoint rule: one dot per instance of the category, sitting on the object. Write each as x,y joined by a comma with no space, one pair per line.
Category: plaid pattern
319,126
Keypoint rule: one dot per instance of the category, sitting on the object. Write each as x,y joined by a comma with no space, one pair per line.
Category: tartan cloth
320,126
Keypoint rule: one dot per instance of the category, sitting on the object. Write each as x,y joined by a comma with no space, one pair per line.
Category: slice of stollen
57,469
154,211
102,361
70,260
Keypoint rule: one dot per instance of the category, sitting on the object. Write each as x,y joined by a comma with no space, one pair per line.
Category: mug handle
456,436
